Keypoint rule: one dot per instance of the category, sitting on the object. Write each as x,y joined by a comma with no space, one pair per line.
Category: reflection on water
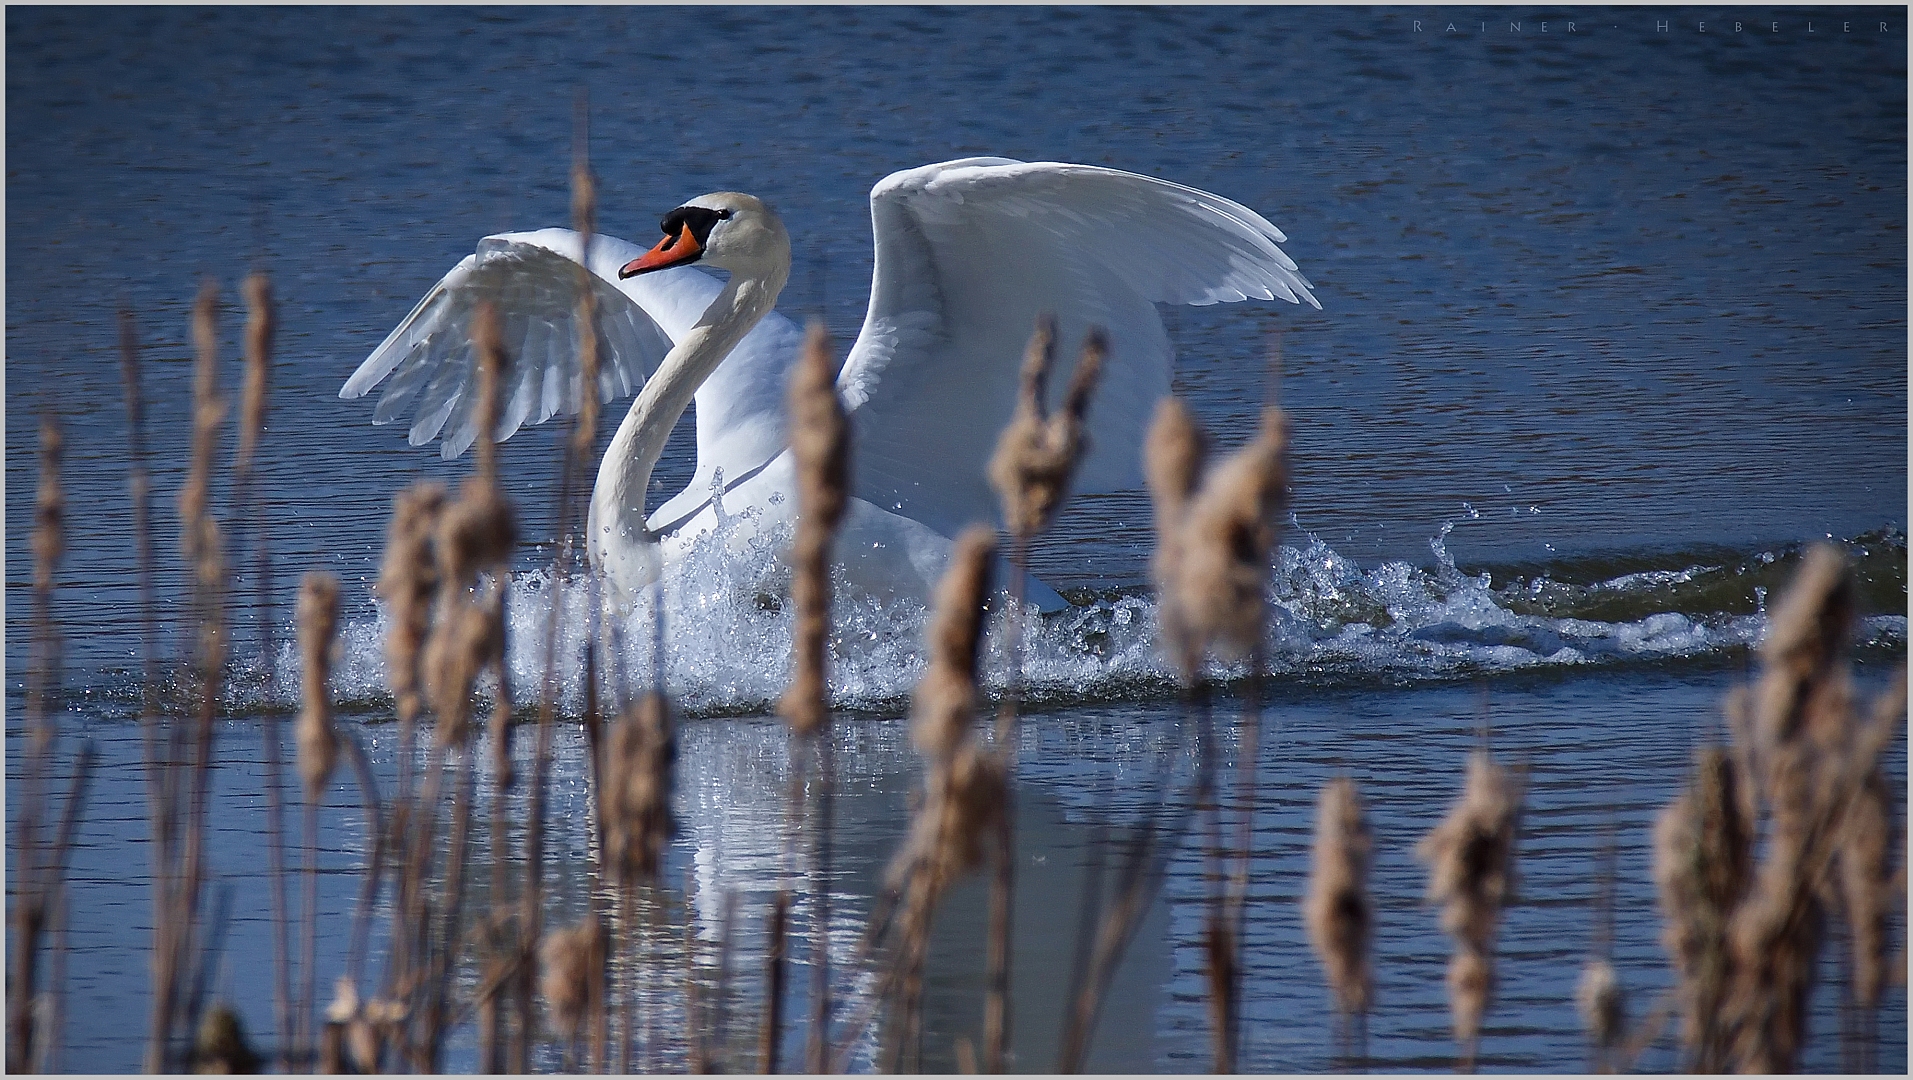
1601,751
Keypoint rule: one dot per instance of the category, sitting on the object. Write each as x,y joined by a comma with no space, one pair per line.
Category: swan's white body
968,254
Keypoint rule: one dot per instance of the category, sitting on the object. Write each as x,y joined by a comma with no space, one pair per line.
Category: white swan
968,254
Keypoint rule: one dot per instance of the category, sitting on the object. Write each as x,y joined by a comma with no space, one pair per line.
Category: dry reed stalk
820,443
408,581
1470,857
159,752
37,870
261,325
1211,568
318,615
771,1035
965,785
1035,459
1703,862
318,623
177,923
577,454
1336,908
1802,727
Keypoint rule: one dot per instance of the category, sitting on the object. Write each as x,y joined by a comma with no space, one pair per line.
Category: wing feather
969,252
533,280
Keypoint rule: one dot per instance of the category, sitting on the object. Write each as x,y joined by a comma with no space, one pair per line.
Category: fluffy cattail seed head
407,581
488,342
1603,1008
1703,861
573,978
1037,454
1228,533
1471,984
199,533
260,325
820,441
819,433
221,1048
318,618
1806,635
638,778
1470,856
946,696
469,637
1172,463
965,797
1336,908
49,513
475,533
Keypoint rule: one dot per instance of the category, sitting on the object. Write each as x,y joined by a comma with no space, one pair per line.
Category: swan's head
726,229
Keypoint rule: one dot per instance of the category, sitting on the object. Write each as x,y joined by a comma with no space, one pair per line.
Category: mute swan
968,253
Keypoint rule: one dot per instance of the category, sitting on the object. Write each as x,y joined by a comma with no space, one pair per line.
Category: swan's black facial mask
687,230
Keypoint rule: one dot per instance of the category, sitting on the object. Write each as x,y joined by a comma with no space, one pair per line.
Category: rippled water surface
1614,321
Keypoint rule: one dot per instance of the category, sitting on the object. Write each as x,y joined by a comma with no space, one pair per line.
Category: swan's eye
698,219
724,215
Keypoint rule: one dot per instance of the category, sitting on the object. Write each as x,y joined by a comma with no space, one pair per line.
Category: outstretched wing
532,279
969,253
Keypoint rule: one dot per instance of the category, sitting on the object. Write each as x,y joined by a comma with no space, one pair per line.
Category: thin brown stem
768,1042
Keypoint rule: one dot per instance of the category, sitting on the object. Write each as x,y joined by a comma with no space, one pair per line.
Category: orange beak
671,251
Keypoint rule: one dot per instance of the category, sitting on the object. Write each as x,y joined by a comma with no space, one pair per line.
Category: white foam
727,632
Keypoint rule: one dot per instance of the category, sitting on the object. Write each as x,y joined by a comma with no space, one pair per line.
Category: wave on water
726,632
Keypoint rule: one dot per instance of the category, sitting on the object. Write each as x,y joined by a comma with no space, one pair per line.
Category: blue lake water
1614,320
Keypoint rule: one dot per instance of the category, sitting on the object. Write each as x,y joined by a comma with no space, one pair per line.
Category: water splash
726,628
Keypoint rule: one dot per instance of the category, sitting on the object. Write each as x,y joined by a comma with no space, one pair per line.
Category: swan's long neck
616,524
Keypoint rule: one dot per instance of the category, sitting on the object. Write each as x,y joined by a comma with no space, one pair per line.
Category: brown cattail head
260,325
475,533
1470,855
1228,532
318,618
1172,463
488,342
966,793
946,696
1703,862
220,1048
49,512
1471,984
819,433
820,442
1037,454
199,533
1336,908
1802,682
407,581
638,776
1603,1007
573,978
468,638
